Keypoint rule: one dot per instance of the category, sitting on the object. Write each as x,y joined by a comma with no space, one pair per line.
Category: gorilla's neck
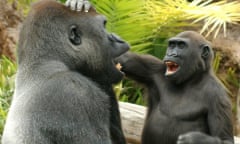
104,77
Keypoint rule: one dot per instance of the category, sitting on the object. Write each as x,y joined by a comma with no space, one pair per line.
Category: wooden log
133,120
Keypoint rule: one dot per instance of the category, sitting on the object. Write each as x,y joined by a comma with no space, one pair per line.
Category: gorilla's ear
75,35
205,51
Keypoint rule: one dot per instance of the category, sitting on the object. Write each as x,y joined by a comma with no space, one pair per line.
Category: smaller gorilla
186,103
64,91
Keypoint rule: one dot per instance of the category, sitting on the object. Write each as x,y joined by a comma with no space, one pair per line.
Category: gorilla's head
188,54
77,39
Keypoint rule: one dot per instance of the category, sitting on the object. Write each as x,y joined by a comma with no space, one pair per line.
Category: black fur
187,106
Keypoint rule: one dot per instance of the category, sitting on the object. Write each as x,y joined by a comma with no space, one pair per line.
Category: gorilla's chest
184,108
177,112
182,103
166,125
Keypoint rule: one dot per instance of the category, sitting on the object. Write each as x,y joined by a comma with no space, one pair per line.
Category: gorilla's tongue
172,67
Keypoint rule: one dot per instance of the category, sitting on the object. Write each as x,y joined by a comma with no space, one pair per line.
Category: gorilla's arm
220,118
78,5
140,67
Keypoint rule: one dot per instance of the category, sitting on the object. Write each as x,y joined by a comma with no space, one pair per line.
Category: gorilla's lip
172,67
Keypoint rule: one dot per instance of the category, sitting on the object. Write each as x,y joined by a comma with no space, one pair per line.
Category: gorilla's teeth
168,72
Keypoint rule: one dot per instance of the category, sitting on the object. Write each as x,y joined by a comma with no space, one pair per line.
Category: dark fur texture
189,106
64,80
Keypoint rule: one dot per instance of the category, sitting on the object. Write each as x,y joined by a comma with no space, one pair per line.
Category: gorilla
186,103
64,81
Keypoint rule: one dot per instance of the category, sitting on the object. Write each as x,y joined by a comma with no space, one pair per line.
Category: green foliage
7,71
135,21
62,1
216,62
232,77
130,91
126,18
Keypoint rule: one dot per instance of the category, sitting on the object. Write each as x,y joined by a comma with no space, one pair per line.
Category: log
132,121
133,116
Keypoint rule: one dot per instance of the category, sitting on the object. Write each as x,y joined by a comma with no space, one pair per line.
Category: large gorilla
64,80
186,103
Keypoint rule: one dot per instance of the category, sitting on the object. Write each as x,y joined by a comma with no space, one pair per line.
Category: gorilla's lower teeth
169,72
171,69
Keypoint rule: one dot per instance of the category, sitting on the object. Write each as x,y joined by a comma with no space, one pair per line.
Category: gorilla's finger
87,5
73,4
79,5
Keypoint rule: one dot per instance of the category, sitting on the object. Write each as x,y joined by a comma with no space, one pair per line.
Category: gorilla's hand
123,58
78,5
197,138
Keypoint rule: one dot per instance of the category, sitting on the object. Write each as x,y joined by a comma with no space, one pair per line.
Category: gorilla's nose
115,38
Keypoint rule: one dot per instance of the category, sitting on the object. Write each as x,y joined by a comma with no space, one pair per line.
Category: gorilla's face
95,48
173,58
186,55
77,39
176,58
93,29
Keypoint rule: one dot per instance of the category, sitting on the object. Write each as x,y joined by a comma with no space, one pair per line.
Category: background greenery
146,25
7,71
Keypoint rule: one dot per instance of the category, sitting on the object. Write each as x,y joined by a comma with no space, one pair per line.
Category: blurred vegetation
7,72
146,25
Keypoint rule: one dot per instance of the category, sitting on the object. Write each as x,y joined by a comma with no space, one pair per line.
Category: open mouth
172,68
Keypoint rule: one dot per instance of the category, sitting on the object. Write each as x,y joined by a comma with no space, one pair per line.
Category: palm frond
215,15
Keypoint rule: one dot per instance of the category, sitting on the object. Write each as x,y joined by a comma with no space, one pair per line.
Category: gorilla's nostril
114,38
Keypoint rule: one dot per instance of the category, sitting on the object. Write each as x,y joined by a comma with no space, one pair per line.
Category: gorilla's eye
181,45
172,44
104,23
75,35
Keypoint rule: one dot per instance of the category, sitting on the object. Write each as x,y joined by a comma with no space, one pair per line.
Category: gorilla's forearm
140,67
